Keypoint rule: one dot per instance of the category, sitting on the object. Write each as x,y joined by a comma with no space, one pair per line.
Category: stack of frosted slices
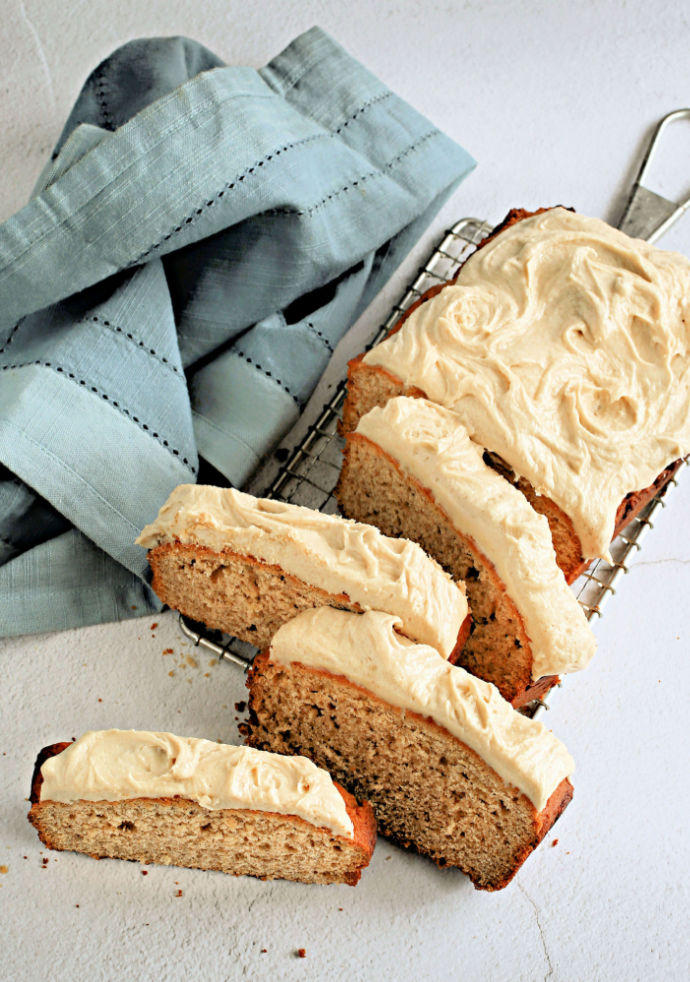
496,440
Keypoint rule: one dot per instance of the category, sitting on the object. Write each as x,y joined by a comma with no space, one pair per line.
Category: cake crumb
301,952
168,651
76,905
207,675
171,672
264,950
555,842
99,699
154,625
144,872
241,706
192,662
3,869
179,893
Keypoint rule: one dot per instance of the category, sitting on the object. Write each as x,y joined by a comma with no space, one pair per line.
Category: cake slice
246,565
563,346
450,768
411,469
159,798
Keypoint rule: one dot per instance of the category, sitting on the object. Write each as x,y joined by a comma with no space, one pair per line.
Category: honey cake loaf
156,797
411,469
246,565
563,346
449,767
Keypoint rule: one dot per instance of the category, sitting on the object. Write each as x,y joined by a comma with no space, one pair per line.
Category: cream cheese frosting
430,444
366,649
335,554
116,765
564,346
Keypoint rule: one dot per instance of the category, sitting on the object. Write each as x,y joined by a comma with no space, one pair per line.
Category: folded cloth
199,242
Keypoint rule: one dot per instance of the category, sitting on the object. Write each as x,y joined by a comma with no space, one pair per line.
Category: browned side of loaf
430,792
565,541
179,832
241,595
372,488
371,385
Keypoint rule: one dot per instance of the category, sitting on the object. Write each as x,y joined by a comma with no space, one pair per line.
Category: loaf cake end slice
158,798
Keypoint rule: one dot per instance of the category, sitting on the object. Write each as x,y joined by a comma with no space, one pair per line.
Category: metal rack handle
647,215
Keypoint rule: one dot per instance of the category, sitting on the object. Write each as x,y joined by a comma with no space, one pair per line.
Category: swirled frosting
115,765
564,346
430,444
367,650
335,554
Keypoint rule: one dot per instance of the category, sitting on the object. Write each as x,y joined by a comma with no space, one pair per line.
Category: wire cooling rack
309,473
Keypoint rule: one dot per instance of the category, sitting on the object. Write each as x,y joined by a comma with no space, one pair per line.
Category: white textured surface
555,101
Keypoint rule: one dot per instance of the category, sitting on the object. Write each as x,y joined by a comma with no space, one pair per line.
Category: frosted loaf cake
450,768
156,797
411,470
246,565
564,347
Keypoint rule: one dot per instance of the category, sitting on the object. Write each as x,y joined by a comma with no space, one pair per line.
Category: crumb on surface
99,699
264,950
4,869
171,672
179,893
154,625
192,662
168,651
555,842
301,952
241,706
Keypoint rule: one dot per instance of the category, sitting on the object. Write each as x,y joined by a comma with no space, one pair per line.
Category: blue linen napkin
200,240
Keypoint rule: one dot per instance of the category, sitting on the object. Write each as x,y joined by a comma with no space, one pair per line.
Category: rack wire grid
310,473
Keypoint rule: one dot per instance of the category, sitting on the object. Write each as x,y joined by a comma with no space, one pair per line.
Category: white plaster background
555,101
